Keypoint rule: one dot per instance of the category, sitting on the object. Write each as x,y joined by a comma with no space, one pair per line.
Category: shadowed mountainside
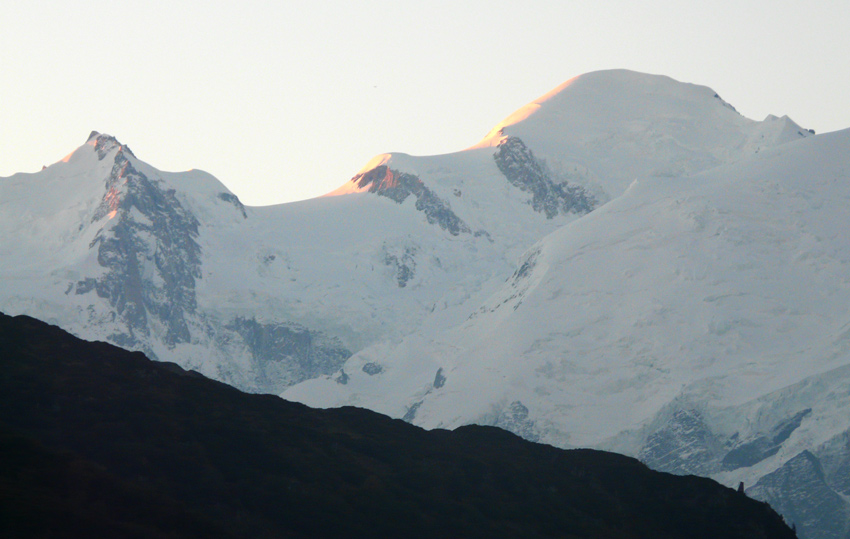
98,441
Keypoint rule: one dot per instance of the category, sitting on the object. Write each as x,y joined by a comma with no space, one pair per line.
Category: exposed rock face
514,418
145,284
233,199
835,458
402,262
410,414
762,447
519,165
809,490
397,186
342,378
103,144
799,491
286,354
372,369
519,284
439,379
147,226
684,445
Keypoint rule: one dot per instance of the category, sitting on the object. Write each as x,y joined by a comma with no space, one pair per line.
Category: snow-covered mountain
625,263
173,264
700,323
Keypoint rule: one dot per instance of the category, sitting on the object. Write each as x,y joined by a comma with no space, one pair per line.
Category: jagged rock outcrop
756,450
799,491
402,262
410,414
439,379
148,248
287,353
233,199
372,369
398,186
519,165
514,418
683,445
807,489
835,459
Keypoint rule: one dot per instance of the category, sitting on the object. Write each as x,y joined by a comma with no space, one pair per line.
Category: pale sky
286,100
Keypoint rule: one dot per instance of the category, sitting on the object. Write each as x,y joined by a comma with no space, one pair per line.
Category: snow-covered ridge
602,119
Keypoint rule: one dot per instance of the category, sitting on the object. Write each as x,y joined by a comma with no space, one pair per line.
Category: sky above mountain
285,101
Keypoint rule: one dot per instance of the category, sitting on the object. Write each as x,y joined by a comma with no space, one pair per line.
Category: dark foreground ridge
100,442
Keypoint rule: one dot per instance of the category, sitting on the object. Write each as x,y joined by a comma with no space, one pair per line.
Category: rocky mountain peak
103,144
147,227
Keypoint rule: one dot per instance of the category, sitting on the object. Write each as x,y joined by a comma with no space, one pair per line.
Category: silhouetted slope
98,441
